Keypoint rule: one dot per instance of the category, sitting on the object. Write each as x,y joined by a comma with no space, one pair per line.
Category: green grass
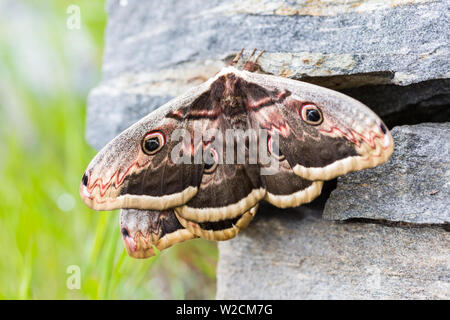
44,226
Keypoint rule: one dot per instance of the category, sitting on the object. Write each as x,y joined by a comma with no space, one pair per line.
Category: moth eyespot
274,149
311,114
153,142
211,162
125,232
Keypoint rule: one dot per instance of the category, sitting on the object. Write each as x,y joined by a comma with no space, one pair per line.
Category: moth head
143,231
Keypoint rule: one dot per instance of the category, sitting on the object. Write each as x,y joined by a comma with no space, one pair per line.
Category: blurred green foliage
46,71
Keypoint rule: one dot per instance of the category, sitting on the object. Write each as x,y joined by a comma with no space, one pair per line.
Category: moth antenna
237,57
251,55
259,55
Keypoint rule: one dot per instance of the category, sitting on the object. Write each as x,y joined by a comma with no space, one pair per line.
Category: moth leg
237,57
259,55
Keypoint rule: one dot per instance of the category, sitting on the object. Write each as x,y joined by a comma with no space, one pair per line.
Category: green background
46,72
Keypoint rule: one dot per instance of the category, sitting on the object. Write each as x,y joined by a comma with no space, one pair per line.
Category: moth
313,134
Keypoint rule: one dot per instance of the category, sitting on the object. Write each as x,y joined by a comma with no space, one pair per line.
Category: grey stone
427,101
413,186
395,245
405,41
119,102
291,254
111,114
156,51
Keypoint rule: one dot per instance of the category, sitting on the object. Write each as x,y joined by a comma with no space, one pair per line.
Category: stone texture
290,254
316,38
119,102
427,101
154,52
413,186
395,245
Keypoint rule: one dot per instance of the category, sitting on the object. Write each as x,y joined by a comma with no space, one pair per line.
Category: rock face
291,254
413,186
399,42
394,246
157,51
384,233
